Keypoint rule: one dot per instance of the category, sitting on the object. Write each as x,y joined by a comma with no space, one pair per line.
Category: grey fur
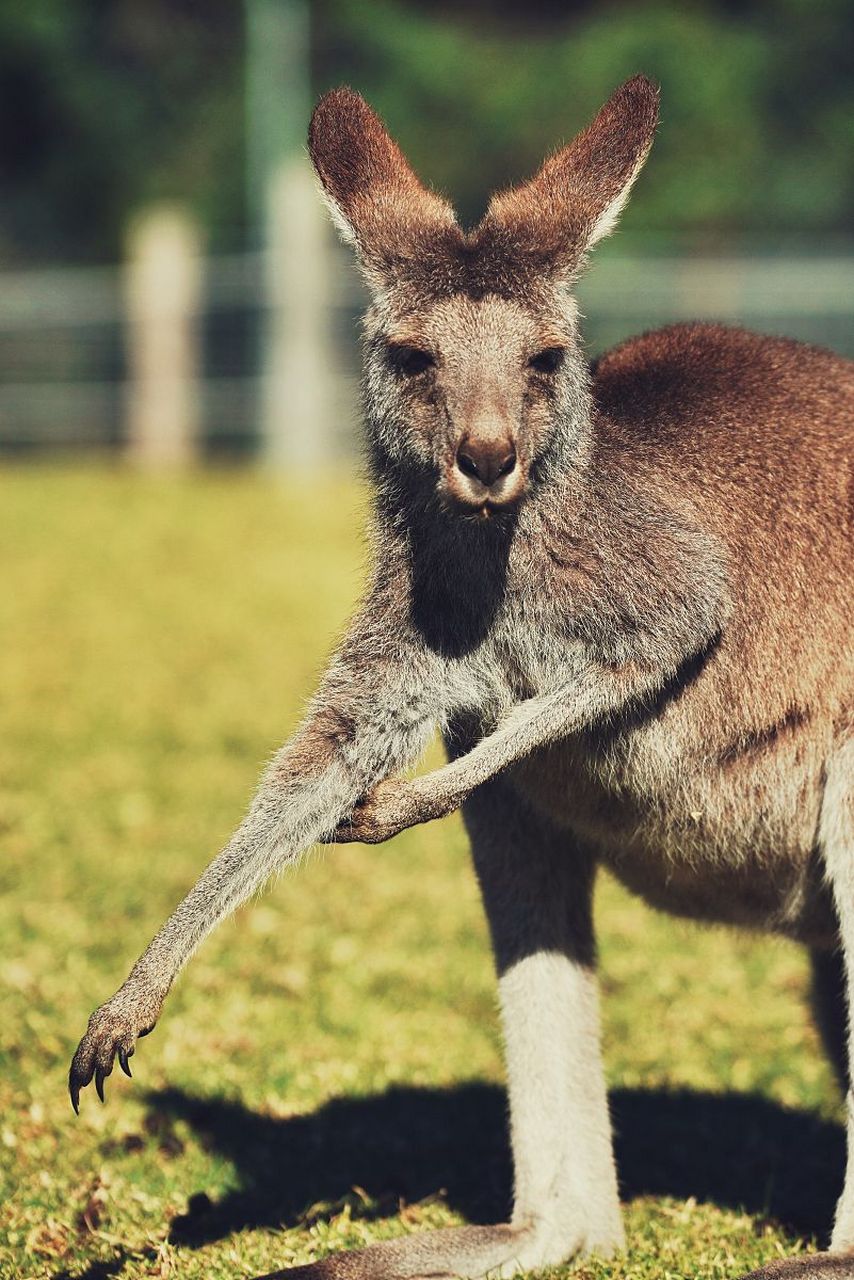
610,639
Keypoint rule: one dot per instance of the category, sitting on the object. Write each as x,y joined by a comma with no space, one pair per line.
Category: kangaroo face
472,391
474,373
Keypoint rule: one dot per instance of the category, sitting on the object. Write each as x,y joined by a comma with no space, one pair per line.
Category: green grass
328,1069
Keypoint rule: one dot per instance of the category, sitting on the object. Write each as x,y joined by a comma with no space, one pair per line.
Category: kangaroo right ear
376,201
578,194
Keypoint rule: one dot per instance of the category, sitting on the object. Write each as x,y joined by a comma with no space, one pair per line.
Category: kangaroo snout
485,473
486,460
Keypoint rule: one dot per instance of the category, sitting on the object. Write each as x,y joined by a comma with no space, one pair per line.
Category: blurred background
171,295
169,287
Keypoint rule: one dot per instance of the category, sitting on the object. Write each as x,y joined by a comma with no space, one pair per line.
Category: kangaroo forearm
312,783
277,829
592,694
358,730
529,726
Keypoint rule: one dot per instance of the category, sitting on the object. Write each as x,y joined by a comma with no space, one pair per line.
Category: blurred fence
70,362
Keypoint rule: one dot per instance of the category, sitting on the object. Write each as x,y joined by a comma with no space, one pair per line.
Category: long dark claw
109,1038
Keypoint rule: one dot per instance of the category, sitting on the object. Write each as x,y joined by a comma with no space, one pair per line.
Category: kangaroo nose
486,460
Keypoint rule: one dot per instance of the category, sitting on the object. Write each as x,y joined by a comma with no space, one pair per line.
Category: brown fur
549,219
693,800
528,233
636,636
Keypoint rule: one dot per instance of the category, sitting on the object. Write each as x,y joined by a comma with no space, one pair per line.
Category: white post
162,302
296,406
298,360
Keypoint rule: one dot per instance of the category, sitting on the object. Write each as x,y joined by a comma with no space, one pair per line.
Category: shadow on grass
100,1270
741,1151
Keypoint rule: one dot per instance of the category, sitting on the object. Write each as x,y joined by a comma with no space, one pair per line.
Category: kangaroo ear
578,194
376,201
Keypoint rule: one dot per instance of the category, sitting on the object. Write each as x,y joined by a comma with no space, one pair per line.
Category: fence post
163,279
298,364
296,401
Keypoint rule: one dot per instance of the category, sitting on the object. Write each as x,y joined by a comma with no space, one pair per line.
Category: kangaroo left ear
578,194
376,201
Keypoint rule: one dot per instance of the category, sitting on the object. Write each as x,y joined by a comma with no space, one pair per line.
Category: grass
328,1070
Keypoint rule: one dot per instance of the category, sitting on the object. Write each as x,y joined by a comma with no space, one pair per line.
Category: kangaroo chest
695,803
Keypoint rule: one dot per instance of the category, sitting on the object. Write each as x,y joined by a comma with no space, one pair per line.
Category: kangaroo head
475,373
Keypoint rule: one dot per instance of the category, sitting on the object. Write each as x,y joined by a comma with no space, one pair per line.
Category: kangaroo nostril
486,460
467,465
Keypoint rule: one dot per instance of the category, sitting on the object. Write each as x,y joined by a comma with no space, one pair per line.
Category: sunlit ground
328,1069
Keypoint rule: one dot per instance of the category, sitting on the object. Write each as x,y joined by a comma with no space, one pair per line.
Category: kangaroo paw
112,1033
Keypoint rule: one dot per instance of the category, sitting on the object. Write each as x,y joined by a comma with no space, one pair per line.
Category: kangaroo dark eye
547,361
409,360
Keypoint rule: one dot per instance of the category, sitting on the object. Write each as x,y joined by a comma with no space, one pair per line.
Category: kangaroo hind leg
836,833
537,888
537,893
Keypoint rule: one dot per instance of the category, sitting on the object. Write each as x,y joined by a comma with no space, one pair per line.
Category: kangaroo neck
462,568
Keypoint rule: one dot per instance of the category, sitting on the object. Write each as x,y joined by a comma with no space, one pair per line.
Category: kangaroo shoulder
717,383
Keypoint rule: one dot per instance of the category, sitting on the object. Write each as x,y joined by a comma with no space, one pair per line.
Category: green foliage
328,1070
757,115
104,106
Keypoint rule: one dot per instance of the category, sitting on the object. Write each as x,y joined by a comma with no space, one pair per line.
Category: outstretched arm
593,693
373,715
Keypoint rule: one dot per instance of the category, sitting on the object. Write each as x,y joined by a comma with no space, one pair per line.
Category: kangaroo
623,596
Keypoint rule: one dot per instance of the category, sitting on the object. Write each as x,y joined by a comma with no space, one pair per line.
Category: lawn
328,1069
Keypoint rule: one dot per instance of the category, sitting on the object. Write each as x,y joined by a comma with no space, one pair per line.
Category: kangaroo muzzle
486,473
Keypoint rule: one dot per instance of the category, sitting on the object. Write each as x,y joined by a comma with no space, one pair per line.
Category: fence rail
68,338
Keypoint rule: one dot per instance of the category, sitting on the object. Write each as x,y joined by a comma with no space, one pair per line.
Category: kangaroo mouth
490,510
471,498
482,513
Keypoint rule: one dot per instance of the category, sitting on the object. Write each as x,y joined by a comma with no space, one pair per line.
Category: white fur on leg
843,1228
836,835
564,1169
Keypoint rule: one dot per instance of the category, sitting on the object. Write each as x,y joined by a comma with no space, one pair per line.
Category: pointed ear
376,201
578,194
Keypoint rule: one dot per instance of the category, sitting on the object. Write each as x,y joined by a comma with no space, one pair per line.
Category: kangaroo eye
409,361
548,361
